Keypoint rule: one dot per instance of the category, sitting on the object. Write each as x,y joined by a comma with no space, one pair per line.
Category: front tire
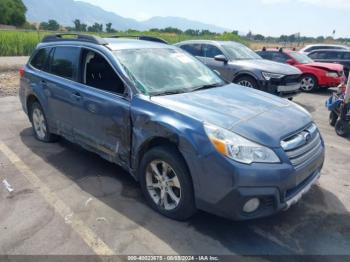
39,124
308,83
333,117
342,128
166,183
247,81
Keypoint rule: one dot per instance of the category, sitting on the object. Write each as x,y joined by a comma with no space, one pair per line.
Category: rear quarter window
39,61
65,62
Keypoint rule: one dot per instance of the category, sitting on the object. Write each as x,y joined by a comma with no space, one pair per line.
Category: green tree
51,25
171,30
109,27
191,32
95,28
283,38
12,12
77,25
259,37
320,38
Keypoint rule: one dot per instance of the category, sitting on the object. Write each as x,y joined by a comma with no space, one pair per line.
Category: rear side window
40,58
195,49
65,61
318,55
333,55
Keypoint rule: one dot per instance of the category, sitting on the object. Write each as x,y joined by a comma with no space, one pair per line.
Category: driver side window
211,51
98,73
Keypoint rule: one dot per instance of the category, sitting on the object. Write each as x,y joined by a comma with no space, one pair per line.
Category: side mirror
290,62
221,58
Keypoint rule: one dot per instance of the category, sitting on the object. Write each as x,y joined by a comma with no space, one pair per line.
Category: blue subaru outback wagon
192,140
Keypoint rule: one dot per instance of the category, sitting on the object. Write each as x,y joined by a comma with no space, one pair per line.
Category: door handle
76,96
43,83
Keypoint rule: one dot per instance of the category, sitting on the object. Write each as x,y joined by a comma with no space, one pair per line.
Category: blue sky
269,17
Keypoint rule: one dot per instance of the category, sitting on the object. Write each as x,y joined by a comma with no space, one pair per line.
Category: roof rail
142,37
78,37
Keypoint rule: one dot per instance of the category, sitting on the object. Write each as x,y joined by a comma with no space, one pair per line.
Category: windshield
301,58
240,52
161,71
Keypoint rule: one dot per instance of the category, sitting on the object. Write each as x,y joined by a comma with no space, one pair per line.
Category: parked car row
332,56
238,64
192,139
310,48
314,74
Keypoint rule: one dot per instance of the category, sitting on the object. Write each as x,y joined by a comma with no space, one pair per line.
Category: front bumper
326,81
287,87
277,186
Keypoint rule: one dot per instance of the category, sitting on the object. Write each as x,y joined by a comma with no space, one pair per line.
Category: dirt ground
9,81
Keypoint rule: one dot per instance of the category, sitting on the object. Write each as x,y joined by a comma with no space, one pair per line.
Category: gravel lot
9,76
9,83
65,196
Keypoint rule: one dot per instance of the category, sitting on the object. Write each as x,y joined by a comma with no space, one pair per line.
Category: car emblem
307,137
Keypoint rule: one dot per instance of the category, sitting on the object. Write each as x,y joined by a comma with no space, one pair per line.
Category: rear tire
166,183
342,128
333,117
39,124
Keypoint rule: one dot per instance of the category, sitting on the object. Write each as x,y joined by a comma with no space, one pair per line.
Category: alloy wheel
307,83
163,185
39,123
245,83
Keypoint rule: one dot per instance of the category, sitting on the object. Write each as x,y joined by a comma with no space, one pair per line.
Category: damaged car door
102,117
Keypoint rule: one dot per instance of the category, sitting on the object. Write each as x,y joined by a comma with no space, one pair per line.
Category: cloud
335,4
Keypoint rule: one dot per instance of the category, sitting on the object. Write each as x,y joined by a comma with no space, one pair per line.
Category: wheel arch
29,101
156,141
244,74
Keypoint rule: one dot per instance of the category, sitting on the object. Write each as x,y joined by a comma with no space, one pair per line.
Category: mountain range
66,11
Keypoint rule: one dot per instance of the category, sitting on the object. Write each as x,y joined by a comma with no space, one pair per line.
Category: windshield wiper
203,87
171,92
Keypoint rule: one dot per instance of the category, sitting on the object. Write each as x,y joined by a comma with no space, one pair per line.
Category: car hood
327,66
256,115
267,66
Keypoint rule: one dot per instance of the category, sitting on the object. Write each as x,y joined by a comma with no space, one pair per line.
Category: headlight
238,148
332,74
268,76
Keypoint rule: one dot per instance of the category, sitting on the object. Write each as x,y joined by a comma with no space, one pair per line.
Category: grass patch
22,43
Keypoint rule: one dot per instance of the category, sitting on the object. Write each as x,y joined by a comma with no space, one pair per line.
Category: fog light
251,205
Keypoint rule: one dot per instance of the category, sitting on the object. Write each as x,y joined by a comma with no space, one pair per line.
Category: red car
315,75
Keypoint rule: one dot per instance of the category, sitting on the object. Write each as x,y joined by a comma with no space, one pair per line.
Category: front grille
291,79
304,146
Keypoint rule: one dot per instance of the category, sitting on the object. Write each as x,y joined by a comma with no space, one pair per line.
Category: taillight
21,72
